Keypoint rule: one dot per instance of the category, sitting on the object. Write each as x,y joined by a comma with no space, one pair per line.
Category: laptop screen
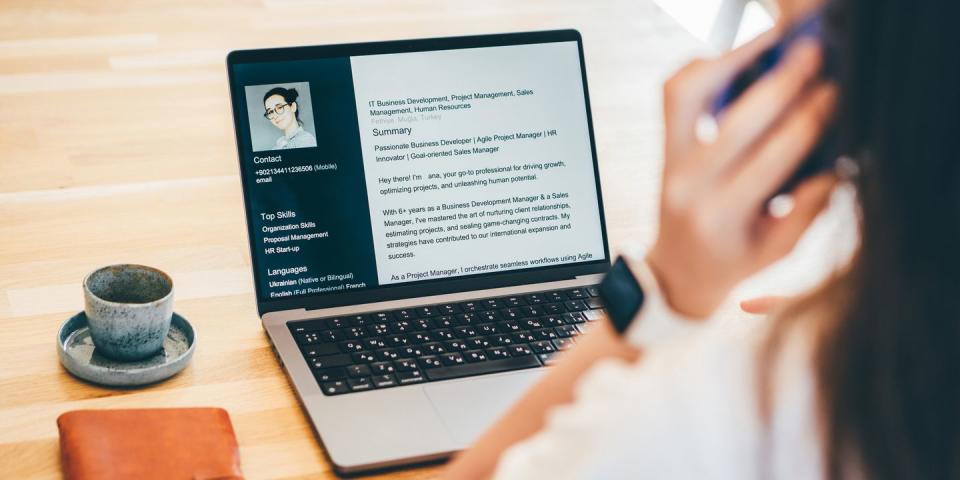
368,171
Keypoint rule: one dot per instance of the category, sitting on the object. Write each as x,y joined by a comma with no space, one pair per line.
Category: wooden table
116,145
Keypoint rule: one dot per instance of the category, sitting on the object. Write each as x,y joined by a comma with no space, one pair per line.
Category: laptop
426,229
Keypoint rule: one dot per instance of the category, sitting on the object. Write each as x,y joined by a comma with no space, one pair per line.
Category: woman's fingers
780,235
784,149
761,305
762,105
688,93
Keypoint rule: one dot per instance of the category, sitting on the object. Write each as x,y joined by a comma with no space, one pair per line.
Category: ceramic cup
128,309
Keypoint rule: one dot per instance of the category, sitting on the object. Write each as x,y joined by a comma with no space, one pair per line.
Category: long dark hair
888,367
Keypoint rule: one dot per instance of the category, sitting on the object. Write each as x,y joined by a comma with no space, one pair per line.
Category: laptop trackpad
469,406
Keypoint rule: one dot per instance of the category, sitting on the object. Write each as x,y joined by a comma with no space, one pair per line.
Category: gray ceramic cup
128,309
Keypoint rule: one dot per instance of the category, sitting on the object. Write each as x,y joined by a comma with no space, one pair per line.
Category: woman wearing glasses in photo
280,105
859,378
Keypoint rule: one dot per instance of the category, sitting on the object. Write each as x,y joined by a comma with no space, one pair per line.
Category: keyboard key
502,339
444,334
445,321
448,309
489,316
478,368
360,384
478,342
497,353
487,329
452,359
401,326
335,387
553,321
331,336
355,332
412,351
593,291
383,381
492,303
567,331
375,343
382,368
411,377
405,364
308,338
512,313
358,371
455,345
427,312
531,324
554,308
524,337
536,299
520,350
321,349
577,294
463,332
576,305
545,334
405,314
430,362
387,354
548,358
509,326
330,374
396,340
470,306
364,357
419,338
357,320
466,318
382,317
474,356
351,346
336,323
542,346
309,326
594,303
554,297
593,315
533,311
513,301
433,349
378,329
563,343
422,324
328,361
575,317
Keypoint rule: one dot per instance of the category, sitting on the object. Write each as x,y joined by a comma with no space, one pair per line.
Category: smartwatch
636,308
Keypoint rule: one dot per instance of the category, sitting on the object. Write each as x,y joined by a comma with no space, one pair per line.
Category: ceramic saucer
79,356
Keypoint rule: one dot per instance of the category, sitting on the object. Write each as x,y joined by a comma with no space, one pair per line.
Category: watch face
621,295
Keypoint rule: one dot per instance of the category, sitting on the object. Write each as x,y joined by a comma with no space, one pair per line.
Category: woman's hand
715,229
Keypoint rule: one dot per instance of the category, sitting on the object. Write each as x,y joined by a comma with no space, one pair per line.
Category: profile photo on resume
281,116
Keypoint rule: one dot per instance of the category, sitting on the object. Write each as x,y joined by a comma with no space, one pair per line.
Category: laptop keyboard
439,342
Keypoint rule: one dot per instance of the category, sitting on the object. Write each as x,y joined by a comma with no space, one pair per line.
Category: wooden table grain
116,145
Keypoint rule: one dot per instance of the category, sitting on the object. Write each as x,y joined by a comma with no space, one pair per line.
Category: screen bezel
421,288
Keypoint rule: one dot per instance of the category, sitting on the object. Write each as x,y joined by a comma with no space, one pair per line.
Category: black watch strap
622,295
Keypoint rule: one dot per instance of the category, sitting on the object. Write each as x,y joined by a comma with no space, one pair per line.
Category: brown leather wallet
167,443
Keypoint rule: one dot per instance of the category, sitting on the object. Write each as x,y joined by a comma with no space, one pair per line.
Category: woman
280,107
857,379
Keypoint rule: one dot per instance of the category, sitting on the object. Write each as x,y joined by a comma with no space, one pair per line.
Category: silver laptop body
375,427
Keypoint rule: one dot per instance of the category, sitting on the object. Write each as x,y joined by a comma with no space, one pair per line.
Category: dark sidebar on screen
308,205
